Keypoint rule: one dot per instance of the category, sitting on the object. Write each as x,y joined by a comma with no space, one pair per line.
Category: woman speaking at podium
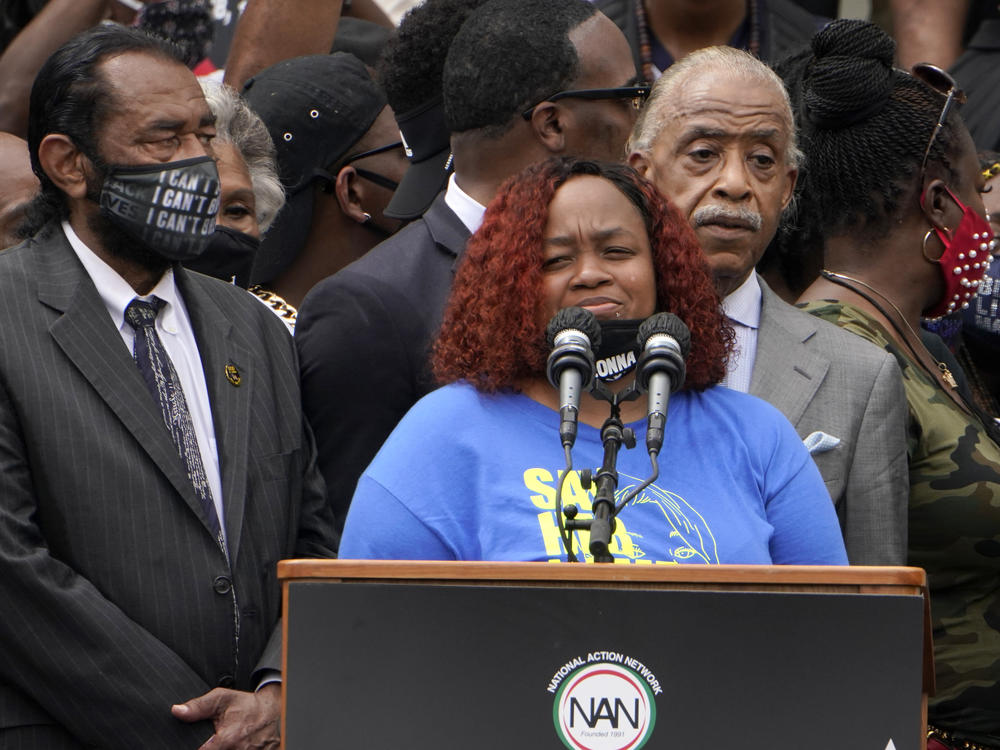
472,472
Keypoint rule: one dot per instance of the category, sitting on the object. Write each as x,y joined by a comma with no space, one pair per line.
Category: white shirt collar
469,210
742,305
115,292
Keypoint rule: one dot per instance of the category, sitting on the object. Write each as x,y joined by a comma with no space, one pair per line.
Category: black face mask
170,208
229,256
616,356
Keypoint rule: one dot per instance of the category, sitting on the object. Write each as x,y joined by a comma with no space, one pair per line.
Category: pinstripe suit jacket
116,600
824,379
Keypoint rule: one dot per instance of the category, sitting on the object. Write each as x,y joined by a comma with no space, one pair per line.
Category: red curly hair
491,335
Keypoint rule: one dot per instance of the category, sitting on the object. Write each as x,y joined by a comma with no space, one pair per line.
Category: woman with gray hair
251,192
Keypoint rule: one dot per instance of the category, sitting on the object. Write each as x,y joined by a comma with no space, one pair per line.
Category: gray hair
240,126
726,60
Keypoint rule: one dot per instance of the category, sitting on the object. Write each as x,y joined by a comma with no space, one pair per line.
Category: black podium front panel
380,666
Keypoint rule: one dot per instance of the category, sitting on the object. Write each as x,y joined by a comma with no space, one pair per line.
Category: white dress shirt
742,307
173,326
467,208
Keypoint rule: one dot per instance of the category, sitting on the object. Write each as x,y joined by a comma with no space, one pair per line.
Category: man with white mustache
717,138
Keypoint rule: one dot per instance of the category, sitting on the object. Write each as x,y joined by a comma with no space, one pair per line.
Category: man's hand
243,721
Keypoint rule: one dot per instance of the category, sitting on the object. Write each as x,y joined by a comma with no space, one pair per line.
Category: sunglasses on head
942,82
637,93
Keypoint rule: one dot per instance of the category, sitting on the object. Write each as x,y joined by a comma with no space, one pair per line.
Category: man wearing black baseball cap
508,86
339,157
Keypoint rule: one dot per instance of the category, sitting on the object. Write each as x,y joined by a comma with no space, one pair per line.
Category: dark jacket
363,337
117,598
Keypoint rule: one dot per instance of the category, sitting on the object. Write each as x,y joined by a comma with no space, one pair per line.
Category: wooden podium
443,655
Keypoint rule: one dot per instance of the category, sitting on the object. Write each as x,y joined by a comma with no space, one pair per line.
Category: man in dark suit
154,465
509,82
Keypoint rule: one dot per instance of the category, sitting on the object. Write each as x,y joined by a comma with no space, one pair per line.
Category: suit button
222,585
226,681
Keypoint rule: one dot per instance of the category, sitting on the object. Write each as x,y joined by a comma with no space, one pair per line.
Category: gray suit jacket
824,379
117,602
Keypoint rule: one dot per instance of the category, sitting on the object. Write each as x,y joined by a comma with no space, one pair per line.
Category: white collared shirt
467,208
173,326
742,307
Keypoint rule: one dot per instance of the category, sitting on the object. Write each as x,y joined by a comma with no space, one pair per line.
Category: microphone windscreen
575,318
669,324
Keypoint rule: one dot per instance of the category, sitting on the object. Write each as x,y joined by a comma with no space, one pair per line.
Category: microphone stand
613,434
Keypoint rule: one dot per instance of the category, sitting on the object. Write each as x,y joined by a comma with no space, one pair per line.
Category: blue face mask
169,208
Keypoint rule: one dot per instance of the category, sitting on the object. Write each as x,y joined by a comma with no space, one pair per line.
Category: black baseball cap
428,147
315,108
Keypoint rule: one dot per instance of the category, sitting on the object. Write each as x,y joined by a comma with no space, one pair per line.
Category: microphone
665,342
571,333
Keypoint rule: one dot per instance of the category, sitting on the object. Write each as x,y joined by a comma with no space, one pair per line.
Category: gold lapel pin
233,375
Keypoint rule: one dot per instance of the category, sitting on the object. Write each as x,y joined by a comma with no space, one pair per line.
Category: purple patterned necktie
162,381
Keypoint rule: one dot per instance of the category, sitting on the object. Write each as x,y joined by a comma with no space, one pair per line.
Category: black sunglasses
942,82
638,94
374,177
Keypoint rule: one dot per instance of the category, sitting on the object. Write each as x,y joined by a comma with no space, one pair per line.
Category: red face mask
964,262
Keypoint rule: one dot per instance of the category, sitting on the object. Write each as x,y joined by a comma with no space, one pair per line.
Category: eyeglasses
942,82
374,176
638,94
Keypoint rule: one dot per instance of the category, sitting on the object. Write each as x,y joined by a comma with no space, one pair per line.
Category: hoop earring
368,217
923,245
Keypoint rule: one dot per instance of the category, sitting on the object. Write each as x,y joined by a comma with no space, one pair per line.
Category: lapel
89,339
446,229
787,371
220,353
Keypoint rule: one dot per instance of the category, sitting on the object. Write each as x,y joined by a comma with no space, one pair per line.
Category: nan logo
604,706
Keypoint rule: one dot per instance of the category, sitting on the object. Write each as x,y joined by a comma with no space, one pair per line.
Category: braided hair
865,127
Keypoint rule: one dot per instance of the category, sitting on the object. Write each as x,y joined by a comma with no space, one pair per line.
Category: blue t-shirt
473,476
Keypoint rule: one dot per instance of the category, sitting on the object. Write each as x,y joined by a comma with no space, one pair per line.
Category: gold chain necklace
840,278
276,303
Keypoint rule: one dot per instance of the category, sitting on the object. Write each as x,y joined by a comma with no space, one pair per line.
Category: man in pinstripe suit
126,622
